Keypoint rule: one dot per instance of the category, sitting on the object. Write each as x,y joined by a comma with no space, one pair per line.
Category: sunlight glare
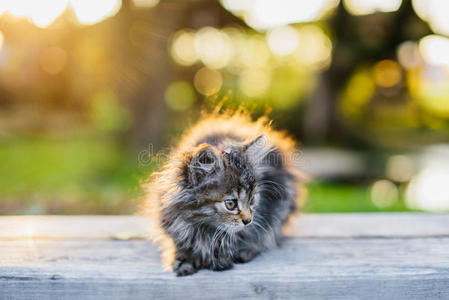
435,12
18,8
435,50
408,55
2,38
145,3
283,40
366,7
384,193
315,47
428,190
44,12
41,13
237,5
213,47
207,82
266,14
90,12
183,48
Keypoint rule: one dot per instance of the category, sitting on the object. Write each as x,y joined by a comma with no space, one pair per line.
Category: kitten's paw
245,255
183,268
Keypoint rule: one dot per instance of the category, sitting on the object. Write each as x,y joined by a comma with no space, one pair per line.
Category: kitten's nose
246,221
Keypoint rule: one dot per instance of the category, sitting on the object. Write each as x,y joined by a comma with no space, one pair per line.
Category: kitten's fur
225,157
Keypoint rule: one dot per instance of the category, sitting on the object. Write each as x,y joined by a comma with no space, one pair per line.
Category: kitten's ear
258,148
205,163
259,143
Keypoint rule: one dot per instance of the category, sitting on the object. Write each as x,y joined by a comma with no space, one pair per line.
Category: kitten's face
225,181
232,208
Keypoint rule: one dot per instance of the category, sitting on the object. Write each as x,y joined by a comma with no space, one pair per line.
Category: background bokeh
92,93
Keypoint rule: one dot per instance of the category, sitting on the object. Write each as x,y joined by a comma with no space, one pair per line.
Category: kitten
224,193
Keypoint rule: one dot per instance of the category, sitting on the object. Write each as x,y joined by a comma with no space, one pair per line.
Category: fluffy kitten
224,193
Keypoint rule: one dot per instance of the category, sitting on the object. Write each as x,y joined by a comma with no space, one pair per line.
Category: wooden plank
372,225
309,225
73,227
415,268
329,256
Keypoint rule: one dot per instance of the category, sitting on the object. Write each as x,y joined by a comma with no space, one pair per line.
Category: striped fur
223,158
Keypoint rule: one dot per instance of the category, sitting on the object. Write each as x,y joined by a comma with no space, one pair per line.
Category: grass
323,197
68,175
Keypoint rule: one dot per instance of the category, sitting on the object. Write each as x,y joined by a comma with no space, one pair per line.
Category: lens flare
266,14
44,12
400,168
213,47
435,50
384,193
145,3
435,12
207,82
179,95
365,7
387,73
315,48
428,190
408,55
283,40
2,38
90,12
183,48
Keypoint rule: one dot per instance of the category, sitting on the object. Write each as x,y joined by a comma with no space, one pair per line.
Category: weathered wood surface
334,256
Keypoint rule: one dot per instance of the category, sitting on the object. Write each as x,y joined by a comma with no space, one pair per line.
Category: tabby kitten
224,194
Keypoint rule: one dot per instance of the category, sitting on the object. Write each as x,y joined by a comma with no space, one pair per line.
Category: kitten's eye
230,204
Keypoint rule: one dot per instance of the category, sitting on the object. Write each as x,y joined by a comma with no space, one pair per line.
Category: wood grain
329,256
309,225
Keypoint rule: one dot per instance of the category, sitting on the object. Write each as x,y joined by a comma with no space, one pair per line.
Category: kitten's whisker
270,216
214,239
273,186
270,231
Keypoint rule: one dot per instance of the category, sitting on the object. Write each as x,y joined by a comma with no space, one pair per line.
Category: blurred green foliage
69,174
325,197
80,100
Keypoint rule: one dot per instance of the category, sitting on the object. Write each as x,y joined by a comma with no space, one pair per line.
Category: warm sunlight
428,191
91,12
1,40
265,14
183,48
435,12
365,7
43,13
283,40
213,47
435,50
